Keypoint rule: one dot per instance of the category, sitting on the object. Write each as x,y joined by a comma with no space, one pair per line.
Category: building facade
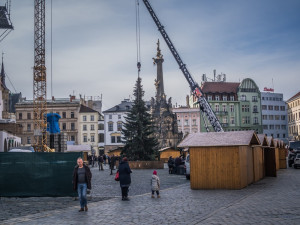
188,120
274,115
236,105
293,111
88,128
67,108
113,122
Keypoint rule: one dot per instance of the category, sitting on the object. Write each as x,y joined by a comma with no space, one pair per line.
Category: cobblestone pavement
269,201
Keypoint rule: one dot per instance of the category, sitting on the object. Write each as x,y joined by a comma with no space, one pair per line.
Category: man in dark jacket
125,179
82,177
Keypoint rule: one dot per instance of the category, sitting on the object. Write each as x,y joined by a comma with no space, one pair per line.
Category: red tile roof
295,96
220,87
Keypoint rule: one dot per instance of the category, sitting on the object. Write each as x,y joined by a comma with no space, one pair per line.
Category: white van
187,167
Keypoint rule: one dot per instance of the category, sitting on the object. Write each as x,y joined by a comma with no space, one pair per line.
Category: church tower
5,93
166,127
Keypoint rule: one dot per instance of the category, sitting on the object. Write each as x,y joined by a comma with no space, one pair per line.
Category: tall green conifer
139,140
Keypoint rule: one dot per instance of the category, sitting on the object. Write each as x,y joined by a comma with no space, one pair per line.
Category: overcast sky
94,45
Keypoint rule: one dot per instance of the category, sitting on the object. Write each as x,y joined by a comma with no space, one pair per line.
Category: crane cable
138,36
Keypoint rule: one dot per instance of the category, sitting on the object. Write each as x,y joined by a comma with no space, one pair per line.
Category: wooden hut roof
277,143
271,142
263,140
167,148
234,138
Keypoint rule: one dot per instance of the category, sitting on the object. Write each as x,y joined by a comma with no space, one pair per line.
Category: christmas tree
140,142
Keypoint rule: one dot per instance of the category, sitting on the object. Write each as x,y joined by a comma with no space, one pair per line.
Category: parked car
187,167
292,156
297,161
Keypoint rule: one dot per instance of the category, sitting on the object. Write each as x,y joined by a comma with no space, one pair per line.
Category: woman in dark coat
125,179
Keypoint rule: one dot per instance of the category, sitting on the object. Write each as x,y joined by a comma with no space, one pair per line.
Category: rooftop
220,87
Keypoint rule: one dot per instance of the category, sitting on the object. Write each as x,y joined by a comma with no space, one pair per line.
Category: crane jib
196,90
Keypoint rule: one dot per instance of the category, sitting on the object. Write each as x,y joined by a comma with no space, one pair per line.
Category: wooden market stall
259,158
165,153
282,156
221,160
270,158
85,149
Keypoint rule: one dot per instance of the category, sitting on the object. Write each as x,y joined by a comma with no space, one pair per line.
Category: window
64,115
119,117
264,107
92,138
92,118
72,126
245,108
264,117
110,117
224,98
119,126
28,127
278,135
217,97
72,138
231,97
20,116
276,107
101,126
224,108
28,116
255,109
271,117
277,127
254,98
194,122
217,108
179,122
72,115
277,117
119,139
255,120
232,120
282,108
186,122
92,127
64,126
270,107
225,119
283,127
110,126
101,138
84,138
58,113
265,127
243,98
282,117
83,118
84,127
271,127
209,97
113,139
246,120
28,140
231,108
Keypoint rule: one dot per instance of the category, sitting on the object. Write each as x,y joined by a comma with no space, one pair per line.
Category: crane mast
196,90
39,78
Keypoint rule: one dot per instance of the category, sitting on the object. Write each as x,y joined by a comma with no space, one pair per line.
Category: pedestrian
100,162
112,164
155,184
171,164
125,178
104,159
82,177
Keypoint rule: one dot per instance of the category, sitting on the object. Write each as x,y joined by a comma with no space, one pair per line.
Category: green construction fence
37,174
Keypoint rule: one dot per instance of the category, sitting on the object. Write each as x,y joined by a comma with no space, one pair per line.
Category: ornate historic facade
161,109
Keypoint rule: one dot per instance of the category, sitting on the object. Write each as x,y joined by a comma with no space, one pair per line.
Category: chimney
72,97
188,101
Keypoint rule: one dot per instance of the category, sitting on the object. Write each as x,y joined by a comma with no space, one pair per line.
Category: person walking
171,164
125,178
155,184
100,162
112,164
82,177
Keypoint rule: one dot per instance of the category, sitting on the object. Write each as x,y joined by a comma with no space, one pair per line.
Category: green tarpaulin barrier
37,174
